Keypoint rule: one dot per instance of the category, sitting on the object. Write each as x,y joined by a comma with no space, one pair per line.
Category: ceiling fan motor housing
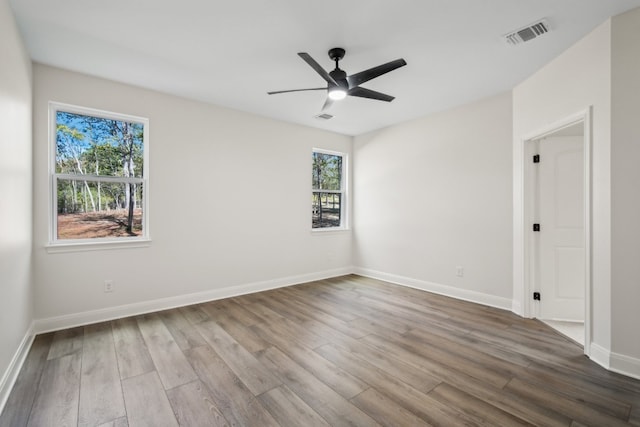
340,77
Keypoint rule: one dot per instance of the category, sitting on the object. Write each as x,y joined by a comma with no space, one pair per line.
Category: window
328,189
98,176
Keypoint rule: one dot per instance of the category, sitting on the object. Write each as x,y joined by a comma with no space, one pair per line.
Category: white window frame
343,191
63,245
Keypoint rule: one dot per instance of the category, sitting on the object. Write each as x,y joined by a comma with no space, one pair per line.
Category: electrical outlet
459,271
108,286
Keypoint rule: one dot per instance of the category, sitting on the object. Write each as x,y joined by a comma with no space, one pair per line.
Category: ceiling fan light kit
337,93
339,84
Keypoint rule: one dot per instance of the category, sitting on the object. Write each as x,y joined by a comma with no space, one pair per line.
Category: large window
328,194
98,176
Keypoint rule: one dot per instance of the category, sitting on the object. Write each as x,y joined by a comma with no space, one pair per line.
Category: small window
98,176
328,194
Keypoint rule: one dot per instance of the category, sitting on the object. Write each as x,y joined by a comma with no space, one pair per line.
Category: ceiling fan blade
366,75
371,94
295,90
309,60
327,104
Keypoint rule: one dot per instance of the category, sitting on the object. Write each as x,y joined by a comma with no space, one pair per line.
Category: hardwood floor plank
370,323
120,422
242,363
538,350
229,306
285,326
434,372
573,409
182,331
234,400
510,402
131,350
146,402
483,412
458,353
596,396
467,341
245,336
193,406
289,410
56,402
384,410
194,313
338,379
335,409
65,342
18,407
406,396
101,399
448,364
170,363
302,314
467,314
418,378
486,392
634,417
588,374
341,311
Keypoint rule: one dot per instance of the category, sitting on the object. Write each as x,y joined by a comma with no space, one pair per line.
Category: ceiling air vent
324,116
527,33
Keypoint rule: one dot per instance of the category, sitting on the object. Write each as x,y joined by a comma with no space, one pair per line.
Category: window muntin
99,176
328,198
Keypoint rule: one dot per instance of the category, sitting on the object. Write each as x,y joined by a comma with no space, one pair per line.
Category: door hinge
536,296
536,227
536,158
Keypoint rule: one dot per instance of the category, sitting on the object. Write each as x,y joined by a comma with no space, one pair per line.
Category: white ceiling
230,53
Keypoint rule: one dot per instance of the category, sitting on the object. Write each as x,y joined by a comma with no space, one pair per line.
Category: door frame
523,220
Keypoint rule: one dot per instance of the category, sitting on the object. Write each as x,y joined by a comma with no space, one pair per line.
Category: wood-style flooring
345,351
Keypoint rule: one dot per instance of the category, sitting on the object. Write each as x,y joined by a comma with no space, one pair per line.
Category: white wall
15,189
435,193
230,206
569,84
625,191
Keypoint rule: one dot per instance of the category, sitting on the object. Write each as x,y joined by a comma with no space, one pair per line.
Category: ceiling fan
339,85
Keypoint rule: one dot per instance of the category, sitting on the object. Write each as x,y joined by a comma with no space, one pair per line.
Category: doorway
557,228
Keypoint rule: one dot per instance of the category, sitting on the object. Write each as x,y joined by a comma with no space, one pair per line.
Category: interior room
469,258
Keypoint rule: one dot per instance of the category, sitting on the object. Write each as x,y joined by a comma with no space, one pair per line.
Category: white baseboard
88,317
625,365
615,362
436,288
516,308
11,374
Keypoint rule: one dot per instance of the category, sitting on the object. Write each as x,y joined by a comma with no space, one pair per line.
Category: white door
561,257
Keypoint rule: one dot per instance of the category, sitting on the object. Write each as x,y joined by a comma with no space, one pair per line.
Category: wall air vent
527,33
324,116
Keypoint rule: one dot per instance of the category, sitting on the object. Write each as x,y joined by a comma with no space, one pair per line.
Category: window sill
55,248
330,230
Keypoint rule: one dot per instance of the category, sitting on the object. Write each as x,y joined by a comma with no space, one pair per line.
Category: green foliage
327,171
91,147
326,175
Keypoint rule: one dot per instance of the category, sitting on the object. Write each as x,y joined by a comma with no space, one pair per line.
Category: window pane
91,209
326,209
87,145
327,172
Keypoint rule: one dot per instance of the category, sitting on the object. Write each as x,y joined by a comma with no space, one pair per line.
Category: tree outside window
98,174
327,200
